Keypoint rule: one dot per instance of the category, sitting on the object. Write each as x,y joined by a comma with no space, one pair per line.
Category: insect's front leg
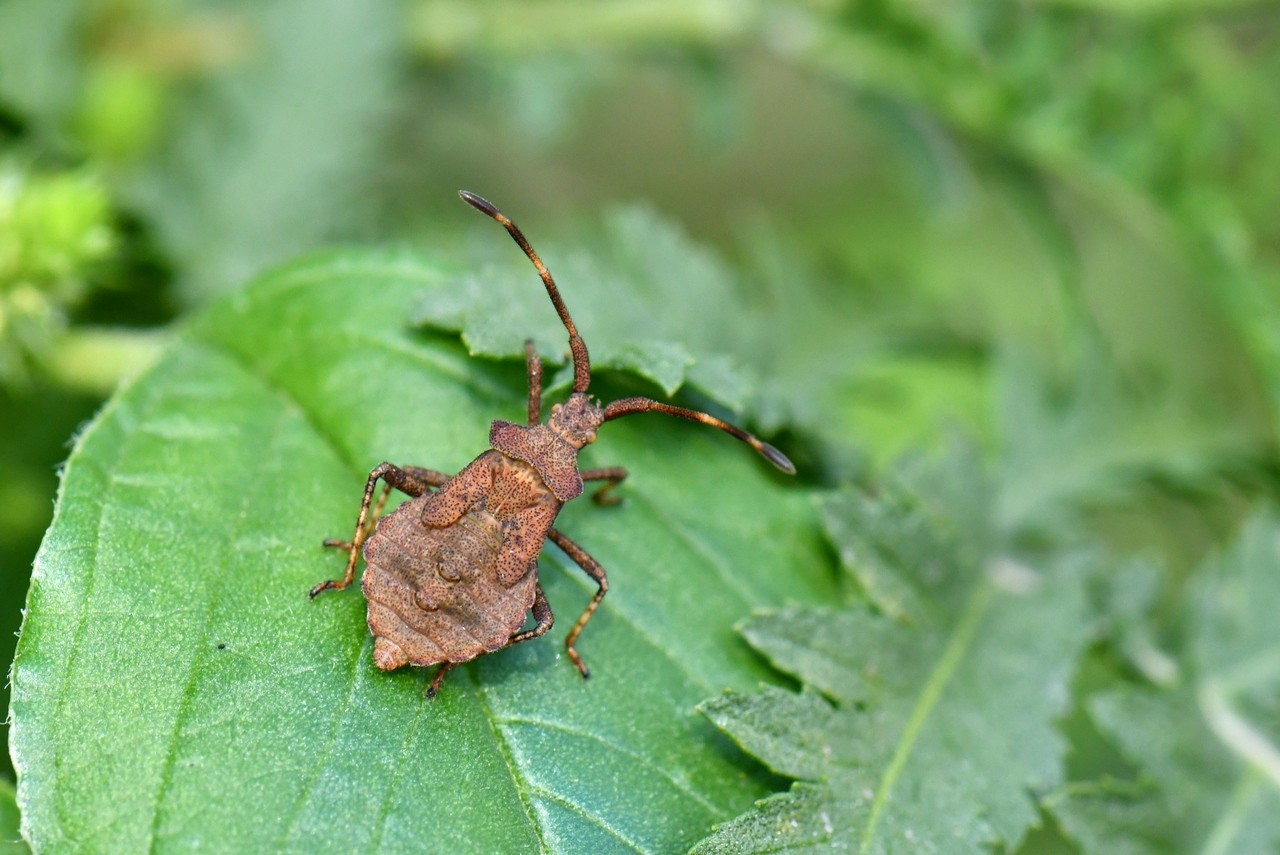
593,569
412,480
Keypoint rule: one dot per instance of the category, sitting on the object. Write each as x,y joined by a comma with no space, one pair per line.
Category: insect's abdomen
433,594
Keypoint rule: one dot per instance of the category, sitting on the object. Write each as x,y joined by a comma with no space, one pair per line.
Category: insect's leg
535,382
593,569
447,505
612,474
413,481
428,478
439,678
542,614
345,545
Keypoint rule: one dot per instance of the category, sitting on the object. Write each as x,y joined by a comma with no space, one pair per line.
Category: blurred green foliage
53,229
1049,226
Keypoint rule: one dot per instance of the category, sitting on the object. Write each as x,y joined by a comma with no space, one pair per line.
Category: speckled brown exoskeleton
453,573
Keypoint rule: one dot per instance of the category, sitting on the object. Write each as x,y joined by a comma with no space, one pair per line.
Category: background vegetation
1033,248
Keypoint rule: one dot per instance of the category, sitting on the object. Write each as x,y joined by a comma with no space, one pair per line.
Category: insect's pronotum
453,573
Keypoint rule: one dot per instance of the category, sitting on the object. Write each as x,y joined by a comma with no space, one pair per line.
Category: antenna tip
479,203
777,458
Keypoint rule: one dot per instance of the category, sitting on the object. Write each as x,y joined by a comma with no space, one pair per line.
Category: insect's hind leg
542,614
434,688
593,569
614,475
411,480
345,545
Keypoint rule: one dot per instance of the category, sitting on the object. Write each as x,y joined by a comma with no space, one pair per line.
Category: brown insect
453,573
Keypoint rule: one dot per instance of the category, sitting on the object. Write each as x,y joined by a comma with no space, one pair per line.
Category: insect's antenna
631,406
581,362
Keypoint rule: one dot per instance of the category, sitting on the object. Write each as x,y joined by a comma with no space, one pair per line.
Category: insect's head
577,418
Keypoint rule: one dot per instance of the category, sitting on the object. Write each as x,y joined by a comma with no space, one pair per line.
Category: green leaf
940,726
30,33
1097,440
913,535
174,686
1193,795
239,159
1207,750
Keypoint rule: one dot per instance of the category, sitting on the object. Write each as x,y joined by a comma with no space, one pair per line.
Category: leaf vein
1227,828
119,409
625,752
732,581
595,820
322,757
504,750
384,809
638,628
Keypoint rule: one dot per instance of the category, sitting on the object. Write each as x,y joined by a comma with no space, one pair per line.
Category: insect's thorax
552,457
517,485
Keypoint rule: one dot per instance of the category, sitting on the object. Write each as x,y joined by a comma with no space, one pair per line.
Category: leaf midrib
503,745
958,644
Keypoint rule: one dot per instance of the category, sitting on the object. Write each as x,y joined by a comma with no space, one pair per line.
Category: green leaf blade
787,732
797,822
174,685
